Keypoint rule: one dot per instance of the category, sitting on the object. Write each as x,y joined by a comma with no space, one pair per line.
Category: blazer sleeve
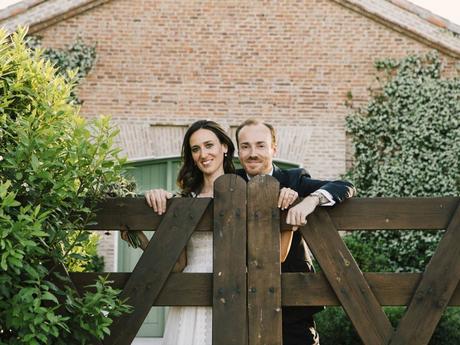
304,185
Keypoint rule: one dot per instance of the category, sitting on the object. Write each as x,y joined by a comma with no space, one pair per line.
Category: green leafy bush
406,140
79,58
335,327
54,167
407,144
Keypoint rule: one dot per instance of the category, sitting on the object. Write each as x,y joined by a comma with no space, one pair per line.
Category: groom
256,142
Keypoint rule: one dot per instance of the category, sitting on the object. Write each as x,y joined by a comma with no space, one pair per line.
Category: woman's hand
287,197
156,198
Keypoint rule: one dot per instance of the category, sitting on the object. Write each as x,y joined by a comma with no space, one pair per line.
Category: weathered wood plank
355,214
300,289
439,281
394,213
346,279
229,322
154,266
181,289
390,289
134,213
390,214
264,270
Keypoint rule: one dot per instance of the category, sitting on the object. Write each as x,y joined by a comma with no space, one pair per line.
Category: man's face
255,149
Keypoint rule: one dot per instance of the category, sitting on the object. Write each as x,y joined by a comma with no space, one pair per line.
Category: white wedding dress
192,325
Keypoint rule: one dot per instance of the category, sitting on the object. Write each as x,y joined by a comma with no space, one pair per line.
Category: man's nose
252,152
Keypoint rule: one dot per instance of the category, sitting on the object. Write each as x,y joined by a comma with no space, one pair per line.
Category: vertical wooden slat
229,323
264,277
346,279
438,283
154,266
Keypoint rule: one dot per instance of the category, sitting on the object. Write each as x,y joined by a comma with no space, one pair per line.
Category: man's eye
208,146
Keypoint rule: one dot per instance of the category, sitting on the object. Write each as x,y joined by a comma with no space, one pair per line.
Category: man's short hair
253,122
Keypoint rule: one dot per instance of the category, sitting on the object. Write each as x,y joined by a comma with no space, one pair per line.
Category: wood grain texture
355,214
264,270
229,322
438,283
298,289
135,214
346,279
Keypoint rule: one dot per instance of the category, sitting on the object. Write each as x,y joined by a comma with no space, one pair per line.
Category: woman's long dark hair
190,178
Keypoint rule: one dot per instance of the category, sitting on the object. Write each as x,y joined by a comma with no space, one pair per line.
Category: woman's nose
203,153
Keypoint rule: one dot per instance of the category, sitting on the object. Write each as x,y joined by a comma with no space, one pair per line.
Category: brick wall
291,63
164,64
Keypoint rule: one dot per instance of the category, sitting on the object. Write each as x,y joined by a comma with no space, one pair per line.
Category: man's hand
287,197
156,198
297,215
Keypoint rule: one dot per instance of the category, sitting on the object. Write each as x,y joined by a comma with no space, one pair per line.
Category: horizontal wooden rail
355,214
300,289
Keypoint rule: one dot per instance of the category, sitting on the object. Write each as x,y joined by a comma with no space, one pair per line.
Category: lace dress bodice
192,325
199,252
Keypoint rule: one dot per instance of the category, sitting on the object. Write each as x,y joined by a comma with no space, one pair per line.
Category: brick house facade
163,64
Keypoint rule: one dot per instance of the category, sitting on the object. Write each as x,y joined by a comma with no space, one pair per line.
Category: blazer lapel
281,176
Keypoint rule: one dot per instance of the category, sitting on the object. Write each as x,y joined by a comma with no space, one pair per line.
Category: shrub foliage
407,144
54,166
79,57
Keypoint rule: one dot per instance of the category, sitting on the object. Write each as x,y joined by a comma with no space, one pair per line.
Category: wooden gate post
229,323
264,270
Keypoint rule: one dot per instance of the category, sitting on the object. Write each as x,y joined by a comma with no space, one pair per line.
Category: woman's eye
195,150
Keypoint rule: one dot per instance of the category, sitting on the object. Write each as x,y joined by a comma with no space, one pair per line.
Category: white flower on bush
26,186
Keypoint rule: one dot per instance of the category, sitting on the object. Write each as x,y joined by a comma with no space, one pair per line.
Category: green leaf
49,297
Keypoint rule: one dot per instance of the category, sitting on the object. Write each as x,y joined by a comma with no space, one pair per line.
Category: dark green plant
335,327
407,144
79,57
54,167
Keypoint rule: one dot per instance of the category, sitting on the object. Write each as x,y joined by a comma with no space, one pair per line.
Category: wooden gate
246,289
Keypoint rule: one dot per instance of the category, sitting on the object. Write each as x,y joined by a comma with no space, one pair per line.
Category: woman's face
208,152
